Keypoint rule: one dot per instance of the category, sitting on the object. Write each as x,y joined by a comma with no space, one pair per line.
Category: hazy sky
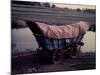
74,6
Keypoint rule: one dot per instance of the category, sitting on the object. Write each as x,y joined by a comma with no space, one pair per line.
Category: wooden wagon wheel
76,50
78,47
57,56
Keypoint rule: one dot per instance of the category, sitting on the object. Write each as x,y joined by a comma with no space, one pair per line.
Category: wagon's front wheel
57,56
76,51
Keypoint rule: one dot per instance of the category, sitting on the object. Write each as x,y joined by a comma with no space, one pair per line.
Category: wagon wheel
76,51
57,56
78,47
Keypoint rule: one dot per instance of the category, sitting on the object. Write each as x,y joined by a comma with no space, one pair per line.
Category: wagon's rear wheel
57,56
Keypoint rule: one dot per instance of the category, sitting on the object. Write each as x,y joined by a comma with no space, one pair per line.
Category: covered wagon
55,41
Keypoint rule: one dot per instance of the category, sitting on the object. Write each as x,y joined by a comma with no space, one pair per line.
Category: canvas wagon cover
63,31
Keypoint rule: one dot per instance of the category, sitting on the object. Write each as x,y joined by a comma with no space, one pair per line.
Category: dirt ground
29,64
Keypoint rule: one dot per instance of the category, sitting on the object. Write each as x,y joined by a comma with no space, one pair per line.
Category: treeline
93,11
43,4
46,4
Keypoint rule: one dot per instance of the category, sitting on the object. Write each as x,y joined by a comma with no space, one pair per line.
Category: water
23,40
89,42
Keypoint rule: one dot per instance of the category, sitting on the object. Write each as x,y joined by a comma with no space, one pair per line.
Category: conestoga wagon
55,41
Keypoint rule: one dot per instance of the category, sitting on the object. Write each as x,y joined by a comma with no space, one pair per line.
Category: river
23,40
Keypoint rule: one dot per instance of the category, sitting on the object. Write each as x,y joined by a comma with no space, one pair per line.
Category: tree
78,9
36,4
46,4
53,6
